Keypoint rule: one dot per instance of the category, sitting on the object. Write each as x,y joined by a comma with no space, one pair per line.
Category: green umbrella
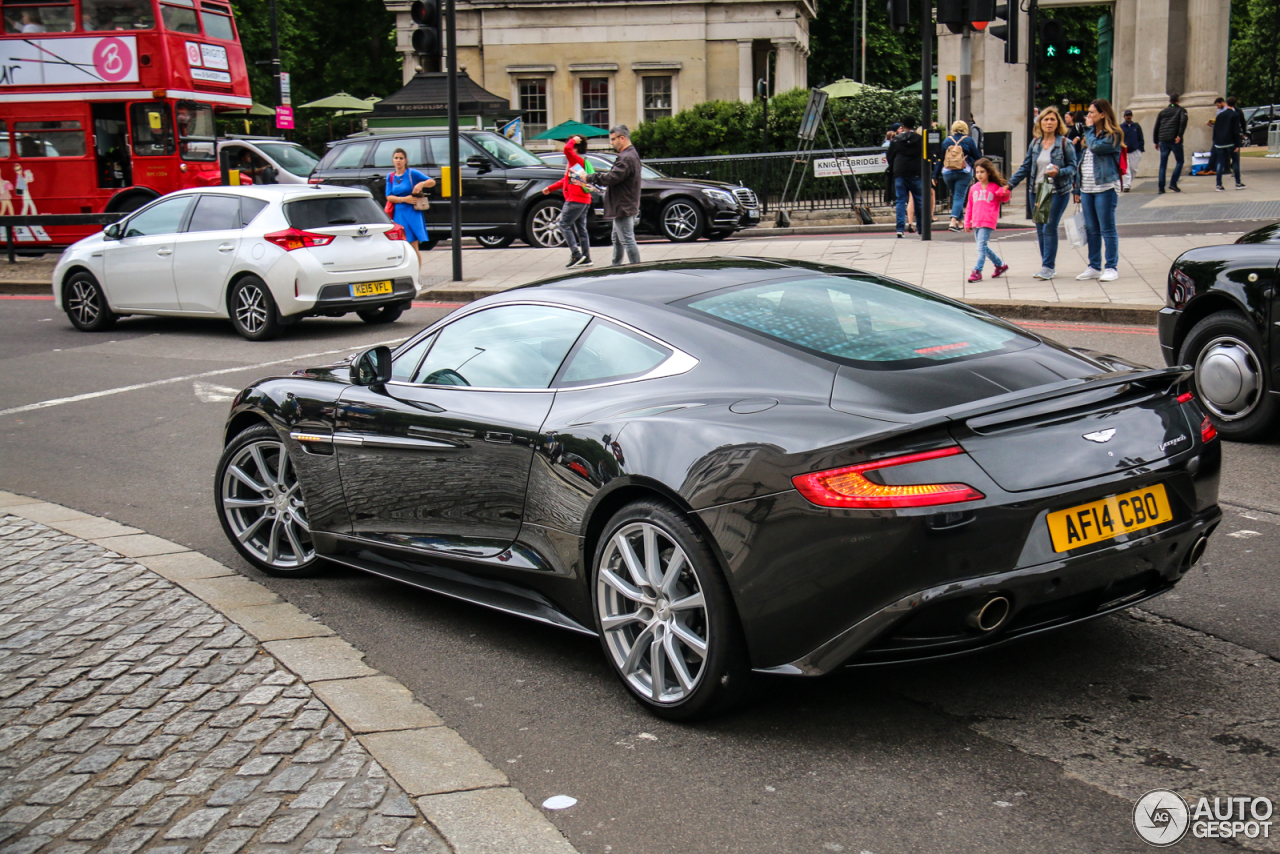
256,110
915,87
564,130
339,101
846,88
369,102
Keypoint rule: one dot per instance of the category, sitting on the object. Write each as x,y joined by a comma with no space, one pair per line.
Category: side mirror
479,162
112,232
372,367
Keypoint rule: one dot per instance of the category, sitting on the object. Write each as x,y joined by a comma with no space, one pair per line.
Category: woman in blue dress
402,185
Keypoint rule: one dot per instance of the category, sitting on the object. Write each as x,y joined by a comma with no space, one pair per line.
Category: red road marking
1082,327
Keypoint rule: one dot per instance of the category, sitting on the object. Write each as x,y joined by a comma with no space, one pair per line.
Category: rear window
872,324
333,210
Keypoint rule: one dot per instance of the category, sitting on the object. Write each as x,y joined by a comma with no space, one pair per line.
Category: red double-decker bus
107,104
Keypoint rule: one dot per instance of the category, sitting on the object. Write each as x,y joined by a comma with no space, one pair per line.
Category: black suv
501,184
683,209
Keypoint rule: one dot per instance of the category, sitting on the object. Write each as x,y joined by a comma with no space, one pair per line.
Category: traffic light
1055,44
427,34
898,12
957,14
1007,31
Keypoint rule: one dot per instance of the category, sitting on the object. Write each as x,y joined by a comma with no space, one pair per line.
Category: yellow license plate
1102,520
371,289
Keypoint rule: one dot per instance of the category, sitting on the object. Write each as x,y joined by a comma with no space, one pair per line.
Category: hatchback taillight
849,486
315,180
294,239
1207,431
396,232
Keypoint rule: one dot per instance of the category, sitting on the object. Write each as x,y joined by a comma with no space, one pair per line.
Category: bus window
49,139
152,132
217,26
196,133
179,16
98,15
4,138
45,18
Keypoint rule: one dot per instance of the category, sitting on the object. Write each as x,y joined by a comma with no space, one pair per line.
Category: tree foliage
732,127
1253,74
893,59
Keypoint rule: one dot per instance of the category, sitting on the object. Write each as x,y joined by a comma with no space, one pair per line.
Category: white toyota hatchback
262,256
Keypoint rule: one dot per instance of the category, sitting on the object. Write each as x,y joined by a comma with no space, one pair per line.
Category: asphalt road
1041,747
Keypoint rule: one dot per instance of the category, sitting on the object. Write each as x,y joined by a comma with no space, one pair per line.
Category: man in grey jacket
622,197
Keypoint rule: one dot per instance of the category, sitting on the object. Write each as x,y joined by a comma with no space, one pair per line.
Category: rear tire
383,314
86,304
673,634
542,225
253,310
1232,381
682,221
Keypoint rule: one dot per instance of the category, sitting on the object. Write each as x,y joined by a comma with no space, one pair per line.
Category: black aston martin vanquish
730,465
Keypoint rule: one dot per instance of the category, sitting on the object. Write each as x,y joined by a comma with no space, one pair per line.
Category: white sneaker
1089,273
1043,273
1109,275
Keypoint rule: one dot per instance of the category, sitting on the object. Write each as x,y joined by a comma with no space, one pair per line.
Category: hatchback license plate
1103,520
371,289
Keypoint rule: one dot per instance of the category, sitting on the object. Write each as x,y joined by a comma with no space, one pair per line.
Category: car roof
282,192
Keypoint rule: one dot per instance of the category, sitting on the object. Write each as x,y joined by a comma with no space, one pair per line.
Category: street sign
862,164
285,89
284,118
813,114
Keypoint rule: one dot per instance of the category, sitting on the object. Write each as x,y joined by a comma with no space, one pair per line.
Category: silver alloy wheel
262,501
491,241
1229,377
251,308
680,220
653,613
546,227
84,302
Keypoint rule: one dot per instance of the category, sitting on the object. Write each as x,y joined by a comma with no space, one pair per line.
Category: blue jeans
1100,225
983,235
1047,232
1220,163
1167,148
902,186
624,240
958,186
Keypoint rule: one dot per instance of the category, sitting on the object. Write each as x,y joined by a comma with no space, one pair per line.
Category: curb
468,801
20,287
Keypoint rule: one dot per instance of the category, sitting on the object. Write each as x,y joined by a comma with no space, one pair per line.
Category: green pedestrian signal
1051,50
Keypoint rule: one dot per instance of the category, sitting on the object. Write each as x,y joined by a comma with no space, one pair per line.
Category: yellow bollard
446,185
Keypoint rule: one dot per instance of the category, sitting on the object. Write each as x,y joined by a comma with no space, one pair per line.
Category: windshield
505,151
861,321
601,164
292,158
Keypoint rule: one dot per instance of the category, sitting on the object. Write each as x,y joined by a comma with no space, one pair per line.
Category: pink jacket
983,208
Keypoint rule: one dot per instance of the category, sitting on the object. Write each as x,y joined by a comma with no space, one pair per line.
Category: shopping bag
1044,201
1075,229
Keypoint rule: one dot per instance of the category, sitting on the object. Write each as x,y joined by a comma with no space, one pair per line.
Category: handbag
421,203
1075,228
1044,202
389,207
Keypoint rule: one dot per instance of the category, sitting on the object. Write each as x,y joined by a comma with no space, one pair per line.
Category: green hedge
732,127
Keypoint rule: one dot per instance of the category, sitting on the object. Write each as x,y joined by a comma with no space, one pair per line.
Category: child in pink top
982,213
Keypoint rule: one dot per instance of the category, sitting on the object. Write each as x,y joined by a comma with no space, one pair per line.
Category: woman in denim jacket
1049,158
1098,189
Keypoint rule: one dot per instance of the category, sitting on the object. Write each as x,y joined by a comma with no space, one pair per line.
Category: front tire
1231,376
495,241
253,310
383,313
665,615
86,304
261,506
682,221
542,226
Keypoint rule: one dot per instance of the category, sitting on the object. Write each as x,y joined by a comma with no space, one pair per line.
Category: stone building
604,62
1160,46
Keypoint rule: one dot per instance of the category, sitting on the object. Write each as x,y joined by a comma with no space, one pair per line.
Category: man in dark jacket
1171,124
1226,140
622,199
905,155
1134,141
1243,127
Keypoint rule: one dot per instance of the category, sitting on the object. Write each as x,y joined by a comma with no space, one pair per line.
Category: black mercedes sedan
732,465
1222,317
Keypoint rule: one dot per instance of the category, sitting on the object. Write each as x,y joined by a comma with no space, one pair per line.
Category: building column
746,72
1150,61
1208,27
786,65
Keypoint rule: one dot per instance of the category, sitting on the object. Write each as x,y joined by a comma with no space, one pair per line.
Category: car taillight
1207,431
849,486
315,180
1186,397
396,232
294,239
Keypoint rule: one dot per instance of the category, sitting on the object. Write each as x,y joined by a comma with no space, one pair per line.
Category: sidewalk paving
155,699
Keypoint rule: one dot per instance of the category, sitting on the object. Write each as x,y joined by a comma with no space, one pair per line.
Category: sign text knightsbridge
862,164
1162,818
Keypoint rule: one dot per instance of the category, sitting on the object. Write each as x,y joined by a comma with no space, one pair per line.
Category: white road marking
58,401
210,393
1244,535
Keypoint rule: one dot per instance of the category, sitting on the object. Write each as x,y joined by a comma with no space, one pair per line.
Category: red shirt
572,192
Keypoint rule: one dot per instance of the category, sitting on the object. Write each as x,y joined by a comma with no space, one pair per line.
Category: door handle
226,247
164,250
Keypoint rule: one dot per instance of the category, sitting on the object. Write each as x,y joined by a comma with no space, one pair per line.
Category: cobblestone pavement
134,717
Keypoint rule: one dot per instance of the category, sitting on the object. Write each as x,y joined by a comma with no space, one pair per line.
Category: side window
440,150
608,353
384,150
4,138
179,16
250,208
215,213
163,218
404,365
152,129
217,26
49,139
513,346
350,157
99,15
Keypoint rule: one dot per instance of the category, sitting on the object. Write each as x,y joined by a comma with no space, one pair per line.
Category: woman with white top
1097,189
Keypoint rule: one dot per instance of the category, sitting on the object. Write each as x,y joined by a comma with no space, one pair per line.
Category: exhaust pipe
1196,552
991,615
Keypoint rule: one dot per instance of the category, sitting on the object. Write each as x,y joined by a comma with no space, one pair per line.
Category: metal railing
8,223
